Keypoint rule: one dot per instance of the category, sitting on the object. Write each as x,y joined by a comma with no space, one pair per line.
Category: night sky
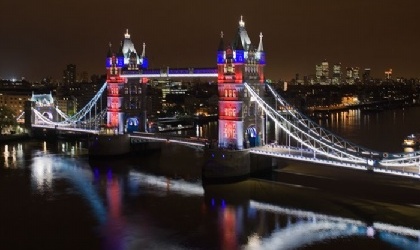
39,38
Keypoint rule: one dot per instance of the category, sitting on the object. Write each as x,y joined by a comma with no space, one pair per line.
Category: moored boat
412,140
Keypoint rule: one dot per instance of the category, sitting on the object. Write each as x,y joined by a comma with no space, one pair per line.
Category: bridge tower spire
261,59
241,122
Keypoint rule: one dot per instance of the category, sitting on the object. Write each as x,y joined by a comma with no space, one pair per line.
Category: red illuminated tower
126,97
241,122
115,114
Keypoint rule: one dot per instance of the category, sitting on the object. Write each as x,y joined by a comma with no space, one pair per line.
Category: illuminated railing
82,121
303,135
338,150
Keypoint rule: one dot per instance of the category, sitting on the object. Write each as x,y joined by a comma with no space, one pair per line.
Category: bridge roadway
194,142
273,150
299,154
280,151
68,128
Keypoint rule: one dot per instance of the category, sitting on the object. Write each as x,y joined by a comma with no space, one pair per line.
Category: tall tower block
115,85
126,97
241,122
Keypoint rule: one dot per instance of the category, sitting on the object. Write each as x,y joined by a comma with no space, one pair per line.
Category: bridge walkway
307,155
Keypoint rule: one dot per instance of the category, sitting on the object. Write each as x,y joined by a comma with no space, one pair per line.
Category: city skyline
42,38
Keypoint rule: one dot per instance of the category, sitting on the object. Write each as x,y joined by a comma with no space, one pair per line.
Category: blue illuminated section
145,63
120,62
240,56
262,58
108,62
179,71
220,57
151,71
205,71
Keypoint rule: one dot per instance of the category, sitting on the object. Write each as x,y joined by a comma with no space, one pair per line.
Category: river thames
54,197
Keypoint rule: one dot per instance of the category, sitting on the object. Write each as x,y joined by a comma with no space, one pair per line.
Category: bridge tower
44,104
241,121
126,97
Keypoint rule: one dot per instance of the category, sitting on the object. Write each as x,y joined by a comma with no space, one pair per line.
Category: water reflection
105,190
166,184
11,155
132,208
409,149
372,128
115,226
72,148
308,228
207,130
48,169
42,174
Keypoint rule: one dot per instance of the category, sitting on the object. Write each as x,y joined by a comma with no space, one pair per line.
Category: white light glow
177,186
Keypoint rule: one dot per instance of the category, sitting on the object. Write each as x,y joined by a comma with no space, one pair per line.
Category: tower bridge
247,103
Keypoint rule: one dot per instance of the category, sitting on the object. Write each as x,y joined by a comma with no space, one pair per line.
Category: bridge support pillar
109,145
225,166
260,164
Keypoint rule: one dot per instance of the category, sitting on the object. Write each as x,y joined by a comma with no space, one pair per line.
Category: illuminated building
69,75
356,74
14,93
388,74
325,69
336,77
322,73
67,104
352,75
318,73
126,109
240,118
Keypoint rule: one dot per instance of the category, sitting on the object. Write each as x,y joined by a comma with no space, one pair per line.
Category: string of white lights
316,128
273,114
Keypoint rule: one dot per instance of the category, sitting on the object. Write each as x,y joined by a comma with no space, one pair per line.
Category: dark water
53,197
382,131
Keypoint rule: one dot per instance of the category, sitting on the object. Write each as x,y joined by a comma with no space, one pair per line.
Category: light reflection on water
42,174
303,228
11,155
382,131
109,192
310,228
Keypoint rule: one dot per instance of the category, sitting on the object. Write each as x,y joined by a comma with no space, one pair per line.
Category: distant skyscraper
325,69
318,73
352,75
69,75
322,73
356,74
336,77
349,75
366,75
